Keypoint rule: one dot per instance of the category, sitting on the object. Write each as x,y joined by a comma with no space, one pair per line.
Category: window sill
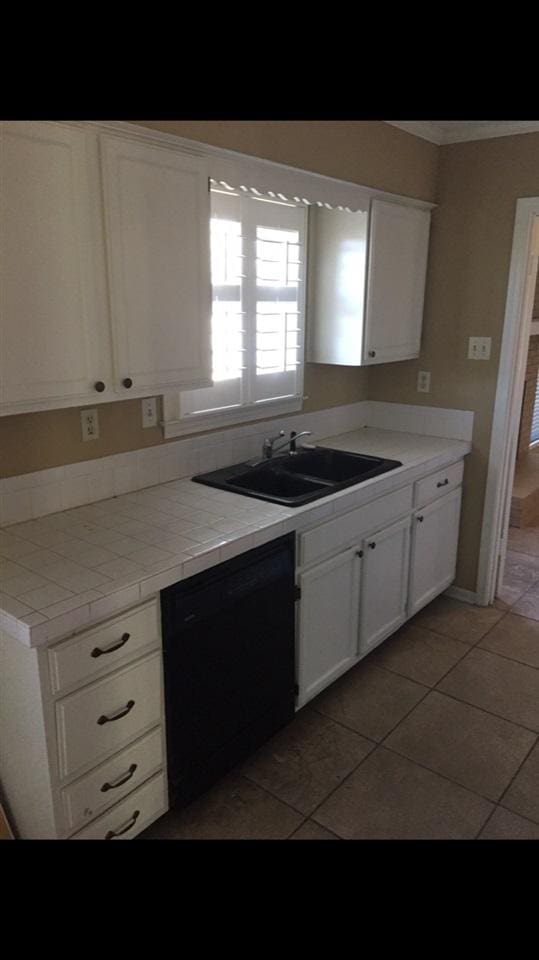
198,423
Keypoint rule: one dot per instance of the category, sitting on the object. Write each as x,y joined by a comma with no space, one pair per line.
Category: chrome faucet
269,448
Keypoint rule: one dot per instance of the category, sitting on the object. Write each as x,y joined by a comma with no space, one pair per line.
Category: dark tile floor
433,736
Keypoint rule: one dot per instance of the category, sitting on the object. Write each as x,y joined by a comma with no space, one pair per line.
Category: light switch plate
479,348
423,381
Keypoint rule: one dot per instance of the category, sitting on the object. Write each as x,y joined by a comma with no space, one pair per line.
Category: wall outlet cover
90,424
149,412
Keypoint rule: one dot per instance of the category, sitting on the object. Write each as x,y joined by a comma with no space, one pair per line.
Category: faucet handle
267,446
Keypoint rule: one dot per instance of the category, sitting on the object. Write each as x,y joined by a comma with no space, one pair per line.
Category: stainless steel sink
297,478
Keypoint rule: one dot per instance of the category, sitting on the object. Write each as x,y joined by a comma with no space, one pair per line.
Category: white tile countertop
69,570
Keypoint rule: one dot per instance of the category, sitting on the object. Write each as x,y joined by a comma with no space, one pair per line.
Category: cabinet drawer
83,800
438,483
108,714
132,815
93,652
336,534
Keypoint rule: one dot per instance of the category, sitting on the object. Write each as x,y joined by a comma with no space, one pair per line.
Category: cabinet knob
372,353
372,545
359,553
99,386
420,519
127,383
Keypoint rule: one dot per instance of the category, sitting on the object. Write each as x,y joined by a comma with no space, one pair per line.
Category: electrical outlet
423,381
479,348
149,412
90,424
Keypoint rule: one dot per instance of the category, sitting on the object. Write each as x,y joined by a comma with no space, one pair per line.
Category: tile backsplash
34,495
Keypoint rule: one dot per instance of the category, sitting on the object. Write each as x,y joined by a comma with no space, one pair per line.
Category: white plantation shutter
535,420
258,260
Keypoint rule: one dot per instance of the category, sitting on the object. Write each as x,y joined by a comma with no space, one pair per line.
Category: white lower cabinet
384,583
81,755
86,798
328,622
132,815
352,602
433,557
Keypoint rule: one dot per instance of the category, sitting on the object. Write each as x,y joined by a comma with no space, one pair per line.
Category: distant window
535,421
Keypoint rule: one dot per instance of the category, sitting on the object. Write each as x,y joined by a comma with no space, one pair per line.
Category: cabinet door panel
384,582
328,623
398,248
158,218
55,341
435,534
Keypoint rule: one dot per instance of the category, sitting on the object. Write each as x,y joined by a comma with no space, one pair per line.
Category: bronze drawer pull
118,783
131,823
118,716
98,651
443,483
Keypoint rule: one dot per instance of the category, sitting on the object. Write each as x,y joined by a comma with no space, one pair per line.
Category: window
534,438
257,270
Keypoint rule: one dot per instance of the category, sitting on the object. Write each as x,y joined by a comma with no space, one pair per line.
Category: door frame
508,402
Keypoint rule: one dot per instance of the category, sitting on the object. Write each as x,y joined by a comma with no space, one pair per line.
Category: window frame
176,422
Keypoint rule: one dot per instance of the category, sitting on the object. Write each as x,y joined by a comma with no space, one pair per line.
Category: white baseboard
458,593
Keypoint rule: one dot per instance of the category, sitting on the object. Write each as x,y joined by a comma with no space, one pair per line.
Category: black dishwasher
228,643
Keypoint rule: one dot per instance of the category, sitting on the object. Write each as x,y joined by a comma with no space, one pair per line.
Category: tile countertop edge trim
59,628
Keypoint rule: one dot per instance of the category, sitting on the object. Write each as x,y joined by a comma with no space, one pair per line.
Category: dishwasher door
228,637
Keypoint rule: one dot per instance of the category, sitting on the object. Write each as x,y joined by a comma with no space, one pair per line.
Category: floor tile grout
504,656
382,742
497,716
530,751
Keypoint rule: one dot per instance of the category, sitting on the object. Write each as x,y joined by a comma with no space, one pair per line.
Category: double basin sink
294,479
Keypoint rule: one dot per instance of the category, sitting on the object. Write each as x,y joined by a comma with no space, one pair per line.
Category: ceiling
456,131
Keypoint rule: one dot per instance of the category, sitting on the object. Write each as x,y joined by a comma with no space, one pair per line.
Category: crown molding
467,131
420,128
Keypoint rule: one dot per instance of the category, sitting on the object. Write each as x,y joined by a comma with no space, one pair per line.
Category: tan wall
371,153
479,184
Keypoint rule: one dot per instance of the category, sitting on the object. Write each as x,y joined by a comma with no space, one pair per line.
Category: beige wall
470,251
371,153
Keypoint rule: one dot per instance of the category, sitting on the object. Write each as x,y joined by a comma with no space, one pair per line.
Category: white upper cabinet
336,290
398,249
54,313
366,283
157,209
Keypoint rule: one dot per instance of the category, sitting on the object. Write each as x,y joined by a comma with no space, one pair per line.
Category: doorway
508,406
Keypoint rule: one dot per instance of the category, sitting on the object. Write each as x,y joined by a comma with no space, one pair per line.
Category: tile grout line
377,744
369,754
423,766
510,784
